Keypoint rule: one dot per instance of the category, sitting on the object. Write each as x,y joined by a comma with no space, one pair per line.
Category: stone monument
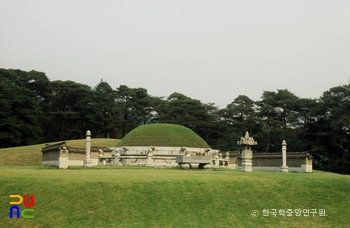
150,156
284,166
63,158
247,153
117,158
87,161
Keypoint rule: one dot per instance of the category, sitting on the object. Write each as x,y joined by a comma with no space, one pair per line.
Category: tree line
36,110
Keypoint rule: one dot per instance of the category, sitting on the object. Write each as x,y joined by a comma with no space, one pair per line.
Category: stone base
185,166
87,163
306,168
63,162
149,160
232,166
247,165
246,168
284,169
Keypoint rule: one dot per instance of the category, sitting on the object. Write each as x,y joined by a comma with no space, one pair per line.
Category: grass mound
148,197
31,155
163,135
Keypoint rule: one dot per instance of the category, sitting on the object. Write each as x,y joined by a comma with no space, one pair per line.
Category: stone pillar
227,159
247,154
63,158
117,158
100,155
87,161
216,159
183,150
284,166
187,153
150,157
207,152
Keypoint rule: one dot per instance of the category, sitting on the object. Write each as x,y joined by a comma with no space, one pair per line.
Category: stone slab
187,159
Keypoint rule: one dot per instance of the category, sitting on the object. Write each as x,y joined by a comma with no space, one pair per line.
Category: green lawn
150,197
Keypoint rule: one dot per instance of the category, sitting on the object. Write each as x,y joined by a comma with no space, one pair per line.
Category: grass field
150,197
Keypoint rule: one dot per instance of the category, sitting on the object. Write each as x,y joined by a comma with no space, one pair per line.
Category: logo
25,213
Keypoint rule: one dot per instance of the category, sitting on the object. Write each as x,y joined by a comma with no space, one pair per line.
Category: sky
212,51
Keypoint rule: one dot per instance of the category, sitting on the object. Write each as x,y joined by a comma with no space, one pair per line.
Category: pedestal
247,164
63,159
88,163
284,169
63,162
149,160
117,160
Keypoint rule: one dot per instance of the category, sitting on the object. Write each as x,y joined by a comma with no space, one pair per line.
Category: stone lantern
247,154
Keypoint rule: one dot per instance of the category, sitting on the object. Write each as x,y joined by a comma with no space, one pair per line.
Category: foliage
135,108
239,116
101,112
19,110
333,140
191,113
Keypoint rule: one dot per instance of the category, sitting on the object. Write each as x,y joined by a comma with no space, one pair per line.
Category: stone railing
105,160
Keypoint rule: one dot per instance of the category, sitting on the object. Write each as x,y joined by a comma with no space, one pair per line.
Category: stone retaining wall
63,156
296,161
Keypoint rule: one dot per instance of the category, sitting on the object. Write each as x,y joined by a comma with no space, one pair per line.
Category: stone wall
296,161
156,156
63,156
51,156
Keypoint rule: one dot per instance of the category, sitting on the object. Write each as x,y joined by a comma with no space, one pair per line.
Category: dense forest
36,110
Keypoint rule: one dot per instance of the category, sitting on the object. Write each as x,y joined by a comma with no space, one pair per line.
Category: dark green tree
306,118
203,119
278,120
135,108
100,114
240,116
19,112
68,101
333,125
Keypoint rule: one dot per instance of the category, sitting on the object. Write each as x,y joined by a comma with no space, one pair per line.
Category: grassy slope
31,155
163,135
146,197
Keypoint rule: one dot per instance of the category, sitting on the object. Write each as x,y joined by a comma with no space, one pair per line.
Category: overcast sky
208,50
